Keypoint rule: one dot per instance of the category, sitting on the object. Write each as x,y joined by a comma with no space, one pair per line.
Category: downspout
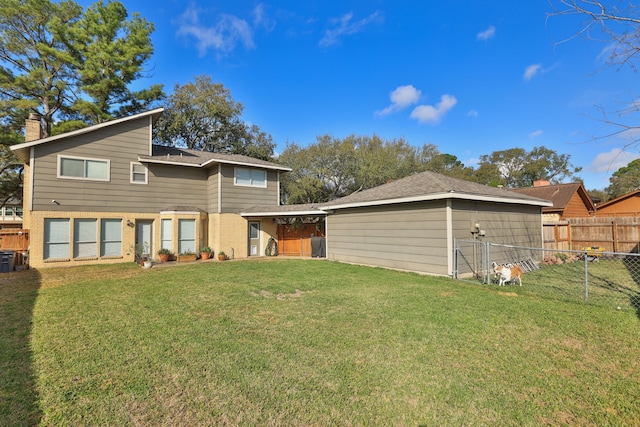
219,189
449,216
32,165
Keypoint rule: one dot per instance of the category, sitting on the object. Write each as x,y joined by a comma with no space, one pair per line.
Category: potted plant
205,252
164,254
186,256
222,256
140,251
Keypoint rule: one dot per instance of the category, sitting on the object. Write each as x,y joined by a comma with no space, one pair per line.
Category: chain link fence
590,275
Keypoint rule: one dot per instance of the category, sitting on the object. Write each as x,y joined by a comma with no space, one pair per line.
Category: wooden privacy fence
14,239
611,234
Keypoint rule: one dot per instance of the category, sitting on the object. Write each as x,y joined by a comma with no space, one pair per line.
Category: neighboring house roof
418,187
431,186
560,195
22,150
624,197
185,157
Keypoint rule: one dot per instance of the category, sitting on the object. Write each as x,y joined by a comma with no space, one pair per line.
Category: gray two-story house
106,192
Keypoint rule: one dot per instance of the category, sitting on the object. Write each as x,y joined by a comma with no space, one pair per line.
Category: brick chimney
541,183
33,127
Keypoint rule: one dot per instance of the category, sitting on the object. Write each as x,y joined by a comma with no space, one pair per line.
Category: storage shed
411,224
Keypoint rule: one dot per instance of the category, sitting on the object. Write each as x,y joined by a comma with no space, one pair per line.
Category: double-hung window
85,235
56,238
139,174
250,177
111,237
83,168
166,234
186,235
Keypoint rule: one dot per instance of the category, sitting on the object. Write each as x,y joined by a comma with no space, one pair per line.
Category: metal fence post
586,276
487,251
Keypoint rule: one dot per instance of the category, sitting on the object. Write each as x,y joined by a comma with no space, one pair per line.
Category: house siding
213,180
629,206
503,223
167,185
236,198
575,208
411,236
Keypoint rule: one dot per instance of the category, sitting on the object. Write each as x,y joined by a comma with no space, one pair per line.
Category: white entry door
254,238
143,237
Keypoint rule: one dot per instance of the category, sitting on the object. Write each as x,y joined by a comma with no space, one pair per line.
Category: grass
304,342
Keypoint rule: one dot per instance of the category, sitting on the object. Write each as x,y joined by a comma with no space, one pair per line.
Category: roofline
235,162
87,129
18,148
438,196
617,199
208,162
168,162
287,213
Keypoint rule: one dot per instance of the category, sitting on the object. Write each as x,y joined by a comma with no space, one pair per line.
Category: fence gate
471,260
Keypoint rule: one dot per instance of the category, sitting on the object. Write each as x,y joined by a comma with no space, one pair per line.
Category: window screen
84,236
111,237
186,235
56,238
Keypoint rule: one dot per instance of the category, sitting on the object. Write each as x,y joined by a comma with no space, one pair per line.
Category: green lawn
305,342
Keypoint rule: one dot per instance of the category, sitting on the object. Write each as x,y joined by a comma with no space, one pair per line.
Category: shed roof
418,187
431,186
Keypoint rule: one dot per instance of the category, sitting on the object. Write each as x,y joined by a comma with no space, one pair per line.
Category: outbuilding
412,223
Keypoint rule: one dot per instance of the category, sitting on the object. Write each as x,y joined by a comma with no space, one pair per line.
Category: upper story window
83,168
139,173
250,177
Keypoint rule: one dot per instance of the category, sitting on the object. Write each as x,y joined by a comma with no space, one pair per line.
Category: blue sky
471,77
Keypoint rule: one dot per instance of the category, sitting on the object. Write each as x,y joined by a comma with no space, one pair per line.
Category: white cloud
531,71
401,97
434,114
346,27
535,134
611,161
487,34
473,113
261,19
223,36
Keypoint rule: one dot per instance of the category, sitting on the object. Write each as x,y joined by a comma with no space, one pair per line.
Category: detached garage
410,224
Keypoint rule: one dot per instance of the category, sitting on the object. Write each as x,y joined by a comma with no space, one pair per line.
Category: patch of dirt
266,294
508,294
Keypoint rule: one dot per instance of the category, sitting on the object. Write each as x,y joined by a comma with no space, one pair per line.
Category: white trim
180,213
86,130
283,213
439,196
449,216
165,162
83,178
146,173
32,166
253,165
219,188
160,161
